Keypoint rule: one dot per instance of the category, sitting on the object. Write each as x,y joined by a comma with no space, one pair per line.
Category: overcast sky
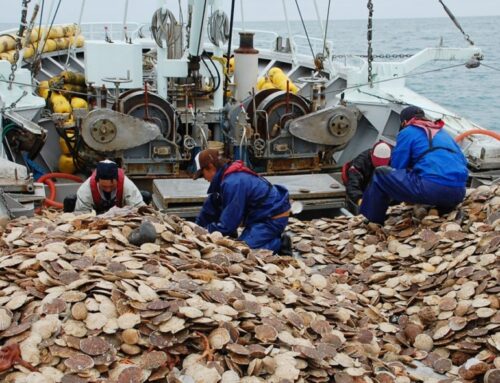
260,10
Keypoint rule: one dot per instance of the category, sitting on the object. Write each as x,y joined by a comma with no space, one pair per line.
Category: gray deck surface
305,186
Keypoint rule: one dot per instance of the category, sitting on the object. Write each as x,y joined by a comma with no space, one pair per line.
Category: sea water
472,93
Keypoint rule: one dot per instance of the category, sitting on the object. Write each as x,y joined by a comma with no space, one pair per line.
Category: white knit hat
381,154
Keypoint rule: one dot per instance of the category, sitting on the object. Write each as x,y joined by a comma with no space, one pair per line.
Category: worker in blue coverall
427,167
237,195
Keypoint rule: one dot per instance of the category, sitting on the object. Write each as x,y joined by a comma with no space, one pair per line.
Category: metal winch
287,135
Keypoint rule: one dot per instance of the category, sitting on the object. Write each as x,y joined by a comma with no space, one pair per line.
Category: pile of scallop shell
429,286
415,301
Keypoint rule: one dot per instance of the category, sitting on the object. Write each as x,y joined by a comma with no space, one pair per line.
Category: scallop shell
173,325
47,256
56,247
73,296
441,332
16,301
130,336
95,321
56,306
79,311
230,377
423,342
150,248
128,320
79,362
318,281
492,376
94,345
5,319
153,359
388,327
201,373
190,312
457,323
126,373
75,328
78,247
130,349
218,338
442,365
485,312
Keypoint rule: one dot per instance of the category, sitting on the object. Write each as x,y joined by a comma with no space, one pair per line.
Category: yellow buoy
66,164
7,43
74,78
231,65
268,85
63,145
59,103
70,123
62,43
80,40
29,52
36,33
78,103
260,82
273,72
56,32
50,46
9,56
69,30
281,79
32,37
43,89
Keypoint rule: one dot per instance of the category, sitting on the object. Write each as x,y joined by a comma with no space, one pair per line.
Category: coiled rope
163,27
218,28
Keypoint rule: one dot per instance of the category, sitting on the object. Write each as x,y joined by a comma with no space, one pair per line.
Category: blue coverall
425,170
244,198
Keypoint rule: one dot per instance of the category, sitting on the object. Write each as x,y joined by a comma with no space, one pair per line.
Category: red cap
381,154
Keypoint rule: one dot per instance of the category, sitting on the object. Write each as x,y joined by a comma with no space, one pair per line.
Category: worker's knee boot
286,245
69,203
145,233
147,197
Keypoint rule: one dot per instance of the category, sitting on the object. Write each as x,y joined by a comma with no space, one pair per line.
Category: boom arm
394,70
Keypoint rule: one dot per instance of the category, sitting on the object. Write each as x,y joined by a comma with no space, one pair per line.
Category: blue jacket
445,164
240,197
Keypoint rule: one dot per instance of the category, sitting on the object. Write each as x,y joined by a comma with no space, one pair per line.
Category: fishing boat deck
185,196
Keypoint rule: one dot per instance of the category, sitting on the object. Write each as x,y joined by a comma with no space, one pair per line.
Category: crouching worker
427,167
237,195
106,187
356,174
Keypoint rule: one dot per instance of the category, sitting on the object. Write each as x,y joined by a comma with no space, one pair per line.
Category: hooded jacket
430,152
237,196
358,175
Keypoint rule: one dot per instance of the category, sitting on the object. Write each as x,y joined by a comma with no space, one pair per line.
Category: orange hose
65,176
484,132
50,201
47,179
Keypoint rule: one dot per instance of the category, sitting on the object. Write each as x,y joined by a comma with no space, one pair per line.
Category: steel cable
326,27
305,29
455,21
